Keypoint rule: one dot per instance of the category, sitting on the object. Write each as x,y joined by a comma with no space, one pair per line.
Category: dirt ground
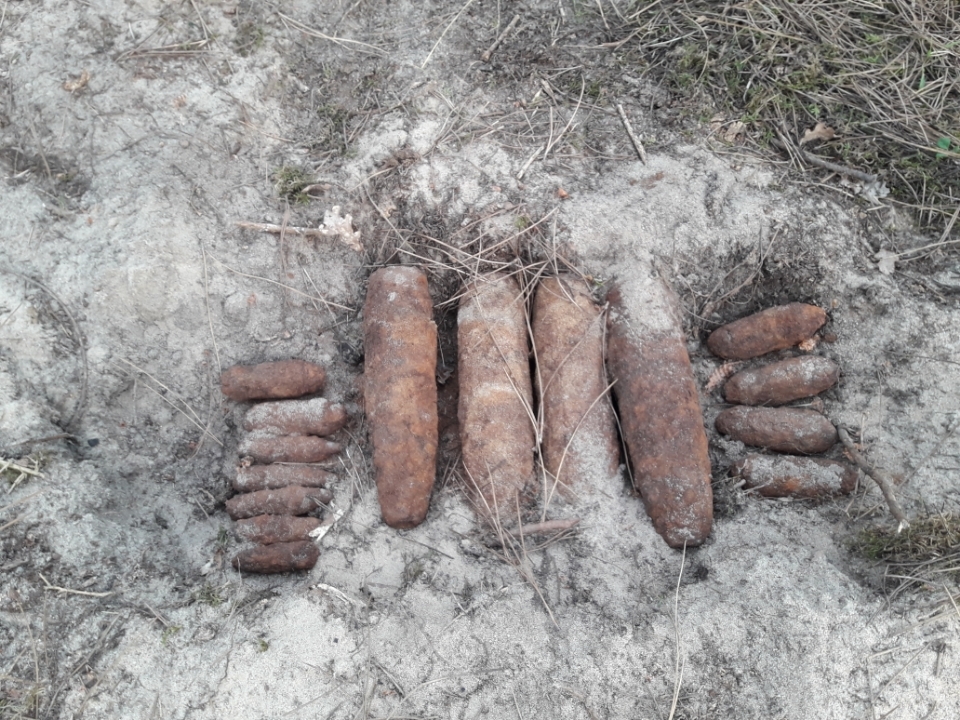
134,136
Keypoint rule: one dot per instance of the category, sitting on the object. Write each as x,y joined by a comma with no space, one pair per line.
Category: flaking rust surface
579,428
400,392
661,418
496,396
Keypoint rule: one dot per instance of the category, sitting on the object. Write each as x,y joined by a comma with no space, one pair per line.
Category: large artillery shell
270,529
579,429
292,500
316,416
799,477
771,329
288,448
278,558
784,381
400,391
496,396
660,413
272,380
787,430
266,477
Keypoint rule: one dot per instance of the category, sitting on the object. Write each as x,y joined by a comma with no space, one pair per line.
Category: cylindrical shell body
291,500
799,477
496,396
786,430
272,380
288,448
266,477
579,429
270,529
768,330
400,391
278,558
660,414
316,416
782,382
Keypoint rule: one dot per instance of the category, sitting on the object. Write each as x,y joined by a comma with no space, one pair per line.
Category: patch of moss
291,182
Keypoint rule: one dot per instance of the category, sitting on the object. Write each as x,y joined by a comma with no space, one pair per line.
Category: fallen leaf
887,262
820,132
72,86
734,131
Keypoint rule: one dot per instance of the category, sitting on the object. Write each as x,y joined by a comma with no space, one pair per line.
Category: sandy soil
135,135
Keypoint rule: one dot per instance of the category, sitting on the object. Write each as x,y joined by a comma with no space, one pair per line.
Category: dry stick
676,626
12,522
345,42
70,591
444,33
881,478
943,238
286,229
500,38
545,527
637,145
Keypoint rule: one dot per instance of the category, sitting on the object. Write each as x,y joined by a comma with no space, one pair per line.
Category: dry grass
884,74
927,553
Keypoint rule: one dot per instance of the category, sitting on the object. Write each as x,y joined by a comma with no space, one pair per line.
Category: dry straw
885,76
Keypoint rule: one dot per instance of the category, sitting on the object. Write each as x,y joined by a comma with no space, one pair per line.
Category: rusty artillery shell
579,429
278,558
496,396
270,529
782,382
799,477
786,430
316,416
400,391
291,500
763,332
266,477
660,413
288,448
272,380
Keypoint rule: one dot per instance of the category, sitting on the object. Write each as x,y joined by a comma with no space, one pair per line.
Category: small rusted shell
786,430
278,558
266,477
272,380
288,448
799,477
316,416
782,382
292,500
772,329
270,529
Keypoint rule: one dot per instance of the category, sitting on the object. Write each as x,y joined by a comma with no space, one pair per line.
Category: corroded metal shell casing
496,396
400,391
772,329
660,414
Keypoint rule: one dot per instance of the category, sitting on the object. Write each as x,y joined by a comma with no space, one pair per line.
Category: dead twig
544,528
637,145
500,38
70,591
884,481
